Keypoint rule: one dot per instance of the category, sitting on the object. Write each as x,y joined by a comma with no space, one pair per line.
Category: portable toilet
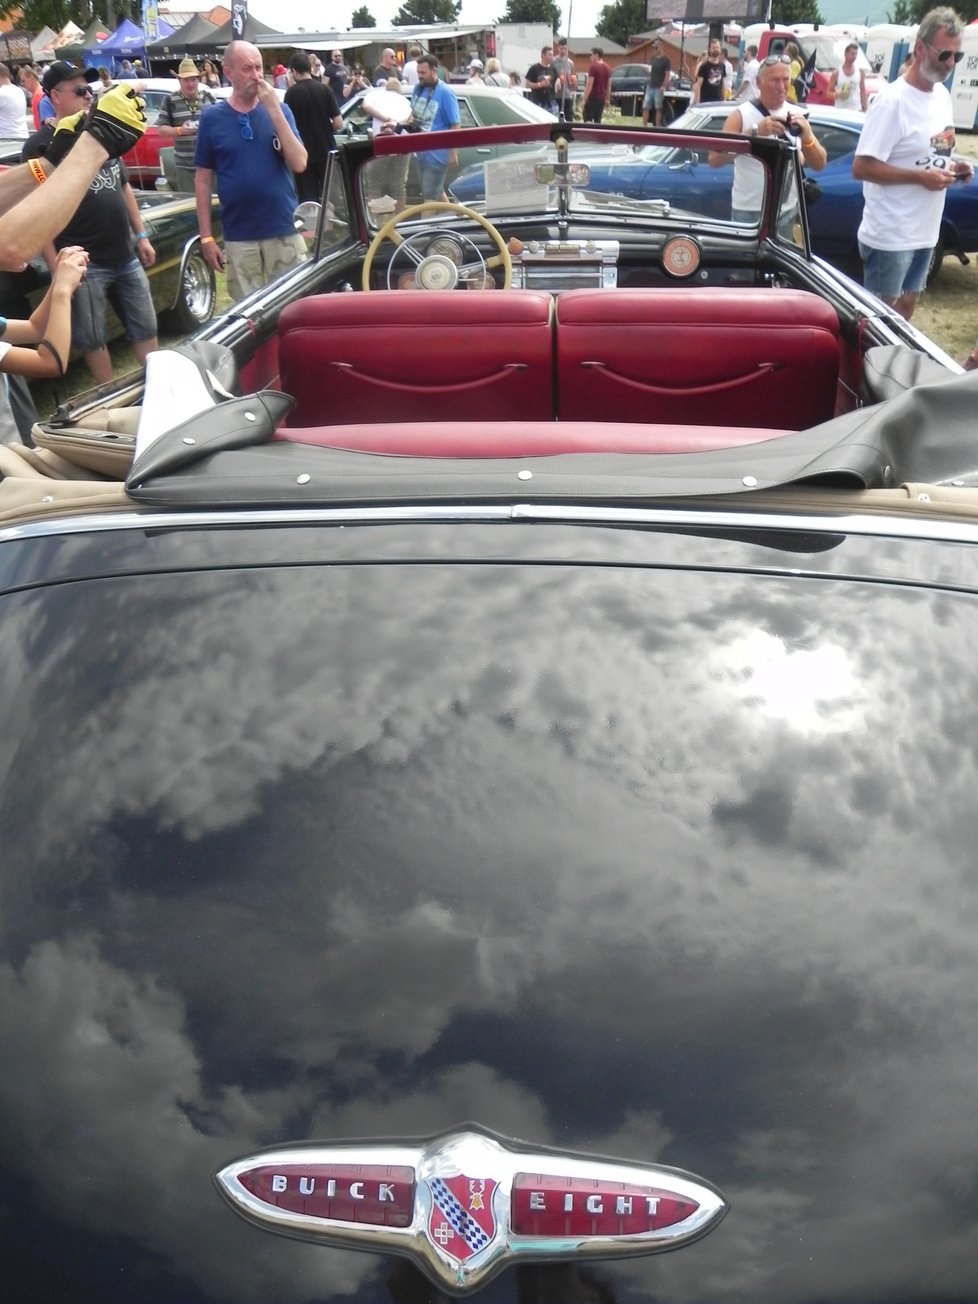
887,45
964,82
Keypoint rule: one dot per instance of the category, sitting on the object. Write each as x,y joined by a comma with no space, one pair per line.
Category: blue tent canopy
126,42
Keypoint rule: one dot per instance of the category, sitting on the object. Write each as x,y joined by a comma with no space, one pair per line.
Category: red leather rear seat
707,356
524,438
407,355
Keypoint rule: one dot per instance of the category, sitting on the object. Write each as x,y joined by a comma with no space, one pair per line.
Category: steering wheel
436,270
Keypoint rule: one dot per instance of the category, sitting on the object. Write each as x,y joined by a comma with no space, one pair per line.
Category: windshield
580,177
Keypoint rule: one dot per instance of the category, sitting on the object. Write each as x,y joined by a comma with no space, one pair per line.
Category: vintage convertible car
487,775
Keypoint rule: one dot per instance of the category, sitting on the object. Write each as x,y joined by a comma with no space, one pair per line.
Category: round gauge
445,246
406,281
437,272
479,280
681,256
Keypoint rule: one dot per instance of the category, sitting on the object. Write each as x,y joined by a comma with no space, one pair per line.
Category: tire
936,263
197,295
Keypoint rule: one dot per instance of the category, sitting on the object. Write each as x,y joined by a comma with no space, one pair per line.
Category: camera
793,125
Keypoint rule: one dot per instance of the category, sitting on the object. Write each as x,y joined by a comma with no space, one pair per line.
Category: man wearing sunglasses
108,224
905,161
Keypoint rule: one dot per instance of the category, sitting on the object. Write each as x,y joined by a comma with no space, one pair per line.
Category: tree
906,12
902,13
362,17
786,12
618,21
412,13
35,14
531,11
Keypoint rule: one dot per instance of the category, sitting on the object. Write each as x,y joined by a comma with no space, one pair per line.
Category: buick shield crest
468,1204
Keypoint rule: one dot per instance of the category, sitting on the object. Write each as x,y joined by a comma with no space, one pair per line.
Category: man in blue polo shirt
250,141
433,108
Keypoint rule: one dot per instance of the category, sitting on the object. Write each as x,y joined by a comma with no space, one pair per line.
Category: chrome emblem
468,1204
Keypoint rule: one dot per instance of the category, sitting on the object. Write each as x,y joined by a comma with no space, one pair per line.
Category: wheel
389,232
197,295
936,263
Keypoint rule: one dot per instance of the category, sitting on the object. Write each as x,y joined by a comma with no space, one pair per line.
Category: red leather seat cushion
407,355
699,355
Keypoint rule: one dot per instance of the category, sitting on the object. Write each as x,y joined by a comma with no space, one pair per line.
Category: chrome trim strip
888,525
425,1183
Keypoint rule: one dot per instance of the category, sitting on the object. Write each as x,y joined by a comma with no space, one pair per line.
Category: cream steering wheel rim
389,232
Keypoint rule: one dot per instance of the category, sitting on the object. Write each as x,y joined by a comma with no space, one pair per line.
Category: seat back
697,356
408,355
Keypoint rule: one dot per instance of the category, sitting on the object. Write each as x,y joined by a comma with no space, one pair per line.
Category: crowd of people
71,200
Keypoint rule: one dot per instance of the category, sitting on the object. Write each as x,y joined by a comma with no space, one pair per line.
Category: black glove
65,134
117,119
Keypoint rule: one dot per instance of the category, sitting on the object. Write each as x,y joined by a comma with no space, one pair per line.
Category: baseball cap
476,63
61,71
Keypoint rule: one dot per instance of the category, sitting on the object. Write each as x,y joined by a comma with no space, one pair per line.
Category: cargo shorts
254,263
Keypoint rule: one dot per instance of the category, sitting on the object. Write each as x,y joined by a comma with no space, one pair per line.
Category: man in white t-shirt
410,70
13,108
904,160
748,74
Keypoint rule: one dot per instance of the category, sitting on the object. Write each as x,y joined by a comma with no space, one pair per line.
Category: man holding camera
433,108
767,115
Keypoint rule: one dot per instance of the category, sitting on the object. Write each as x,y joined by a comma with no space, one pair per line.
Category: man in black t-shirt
540,80
708,82
317,116
105,223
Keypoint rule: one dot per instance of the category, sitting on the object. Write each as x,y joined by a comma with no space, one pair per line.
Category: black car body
459,856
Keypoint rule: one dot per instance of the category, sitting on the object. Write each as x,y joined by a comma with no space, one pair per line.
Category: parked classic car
488,781
478,106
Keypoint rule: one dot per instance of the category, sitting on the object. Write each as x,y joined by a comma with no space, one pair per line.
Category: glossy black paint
651,844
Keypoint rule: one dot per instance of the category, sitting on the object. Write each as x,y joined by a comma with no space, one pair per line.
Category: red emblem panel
580,1207
378,1194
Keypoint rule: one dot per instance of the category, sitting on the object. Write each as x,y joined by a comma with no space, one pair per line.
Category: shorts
127,289
252,264
655,98
888,273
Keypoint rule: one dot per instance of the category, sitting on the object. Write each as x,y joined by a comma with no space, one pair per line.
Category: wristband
37,170
807,144
141,235
207,239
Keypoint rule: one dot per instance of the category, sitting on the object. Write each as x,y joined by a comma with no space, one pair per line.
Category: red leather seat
407,355
698,356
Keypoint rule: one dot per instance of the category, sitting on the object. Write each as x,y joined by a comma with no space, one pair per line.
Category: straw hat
188,68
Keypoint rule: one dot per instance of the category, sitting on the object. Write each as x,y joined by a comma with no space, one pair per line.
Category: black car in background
628,83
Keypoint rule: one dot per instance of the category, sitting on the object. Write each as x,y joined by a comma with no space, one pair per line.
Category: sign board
705,11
